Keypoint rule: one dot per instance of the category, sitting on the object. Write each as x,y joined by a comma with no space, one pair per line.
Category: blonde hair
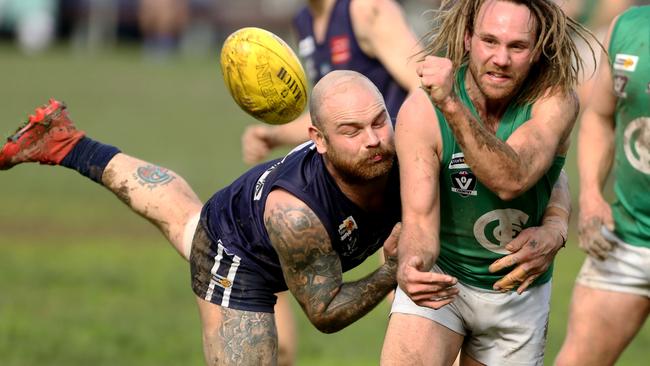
559,64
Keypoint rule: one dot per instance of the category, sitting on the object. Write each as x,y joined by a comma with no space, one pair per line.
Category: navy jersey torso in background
234,215
340,51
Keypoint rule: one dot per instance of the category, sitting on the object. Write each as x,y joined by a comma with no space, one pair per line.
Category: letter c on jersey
497,228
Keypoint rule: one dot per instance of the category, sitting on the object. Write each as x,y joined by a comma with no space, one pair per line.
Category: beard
491,91
362,169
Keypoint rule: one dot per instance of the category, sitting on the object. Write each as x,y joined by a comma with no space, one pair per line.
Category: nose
501,57
372,139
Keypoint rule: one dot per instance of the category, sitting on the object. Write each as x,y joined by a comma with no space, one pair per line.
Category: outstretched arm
529,151
312,269
417,142
259,140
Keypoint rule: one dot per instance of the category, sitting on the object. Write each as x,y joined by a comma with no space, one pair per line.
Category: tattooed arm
507,168
312,268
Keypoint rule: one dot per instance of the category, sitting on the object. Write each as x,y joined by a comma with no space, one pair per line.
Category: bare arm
258,140
526,155
312,269
382,32
529,151
418,148
595,158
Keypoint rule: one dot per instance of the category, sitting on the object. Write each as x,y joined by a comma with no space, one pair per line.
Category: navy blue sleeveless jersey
340,51
234,216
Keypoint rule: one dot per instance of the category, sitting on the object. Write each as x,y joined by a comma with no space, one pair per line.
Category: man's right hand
425,288
256,143
437,78
594,214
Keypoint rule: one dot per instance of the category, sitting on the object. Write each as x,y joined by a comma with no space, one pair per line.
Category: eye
518,47
490,41
379,123
349,131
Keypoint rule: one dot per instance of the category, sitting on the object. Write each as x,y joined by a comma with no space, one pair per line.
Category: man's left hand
532,251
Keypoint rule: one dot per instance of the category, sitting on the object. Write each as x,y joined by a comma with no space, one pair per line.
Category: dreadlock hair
559,64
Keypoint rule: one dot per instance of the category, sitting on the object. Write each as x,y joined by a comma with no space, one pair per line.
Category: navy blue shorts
225,279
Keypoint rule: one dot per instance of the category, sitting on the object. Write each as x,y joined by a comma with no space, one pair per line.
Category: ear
319,139
468,41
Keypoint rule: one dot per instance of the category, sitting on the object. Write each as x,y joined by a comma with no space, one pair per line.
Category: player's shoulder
281,201
558,95
565,102
417,102
633,13
418,118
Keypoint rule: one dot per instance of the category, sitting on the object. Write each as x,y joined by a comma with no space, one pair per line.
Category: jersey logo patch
348,240
497,228
636,143
458,161
347,227
620,82
340,49
463,183
625,62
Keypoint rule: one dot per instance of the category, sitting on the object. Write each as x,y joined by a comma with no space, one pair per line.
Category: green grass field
86,282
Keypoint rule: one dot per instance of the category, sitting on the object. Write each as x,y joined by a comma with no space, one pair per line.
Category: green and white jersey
475,224
629,53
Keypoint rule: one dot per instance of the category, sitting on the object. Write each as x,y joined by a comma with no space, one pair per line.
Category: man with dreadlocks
480,148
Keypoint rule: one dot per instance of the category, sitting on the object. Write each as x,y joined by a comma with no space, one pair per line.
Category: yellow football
263,75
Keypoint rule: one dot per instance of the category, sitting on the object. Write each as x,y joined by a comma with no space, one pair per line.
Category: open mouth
498,76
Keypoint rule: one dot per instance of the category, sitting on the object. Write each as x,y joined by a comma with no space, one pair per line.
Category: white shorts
499,328
626,269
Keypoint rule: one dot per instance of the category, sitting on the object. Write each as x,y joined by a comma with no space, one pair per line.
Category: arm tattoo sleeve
313,272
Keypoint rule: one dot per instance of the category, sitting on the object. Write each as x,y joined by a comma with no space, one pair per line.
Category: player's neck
490,110
369,195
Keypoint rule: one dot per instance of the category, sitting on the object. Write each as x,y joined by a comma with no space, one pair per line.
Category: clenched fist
437,78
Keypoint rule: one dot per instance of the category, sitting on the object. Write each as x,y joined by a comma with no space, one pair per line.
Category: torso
475,224
235,213
329,43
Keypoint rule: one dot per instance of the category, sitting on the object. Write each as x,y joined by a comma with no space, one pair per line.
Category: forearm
291,134
487,155
356,299
418,240
558,210
595,154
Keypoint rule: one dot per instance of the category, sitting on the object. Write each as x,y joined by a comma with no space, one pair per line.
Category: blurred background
83,281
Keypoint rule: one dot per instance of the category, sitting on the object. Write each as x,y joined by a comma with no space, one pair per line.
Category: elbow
328,330
325,326
509,190
509,194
